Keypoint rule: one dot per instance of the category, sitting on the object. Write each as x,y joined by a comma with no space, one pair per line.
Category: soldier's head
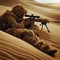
19,11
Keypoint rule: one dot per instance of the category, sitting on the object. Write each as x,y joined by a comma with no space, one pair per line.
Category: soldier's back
6,19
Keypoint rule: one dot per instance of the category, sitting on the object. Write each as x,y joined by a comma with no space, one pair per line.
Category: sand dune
47,5
9,2
42,9
15,45
13,48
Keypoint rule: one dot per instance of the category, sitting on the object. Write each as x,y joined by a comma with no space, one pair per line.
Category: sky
48,1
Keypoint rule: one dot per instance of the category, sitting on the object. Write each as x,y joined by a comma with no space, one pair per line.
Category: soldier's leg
29,37
51,52
24,34
45,48
47,28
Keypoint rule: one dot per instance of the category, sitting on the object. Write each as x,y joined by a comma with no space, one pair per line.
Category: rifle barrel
55,21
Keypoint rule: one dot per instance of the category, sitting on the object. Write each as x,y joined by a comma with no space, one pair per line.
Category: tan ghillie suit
13,23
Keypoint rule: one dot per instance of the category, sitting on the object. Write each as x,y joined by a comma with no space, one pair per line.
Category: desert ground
15,48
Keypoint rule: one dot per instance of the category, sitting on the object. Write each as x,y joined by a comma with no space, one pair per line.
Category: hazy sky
48,1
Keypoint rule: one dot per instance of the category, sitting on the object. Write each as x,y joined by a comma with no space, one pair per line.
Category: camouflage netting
19,11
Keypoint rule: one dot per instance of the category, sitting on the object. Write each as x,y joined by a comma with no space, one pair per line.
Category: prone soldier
9,24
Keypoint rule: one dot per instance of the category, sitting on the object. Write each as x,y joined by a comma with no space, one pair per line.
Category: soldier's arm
13,22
